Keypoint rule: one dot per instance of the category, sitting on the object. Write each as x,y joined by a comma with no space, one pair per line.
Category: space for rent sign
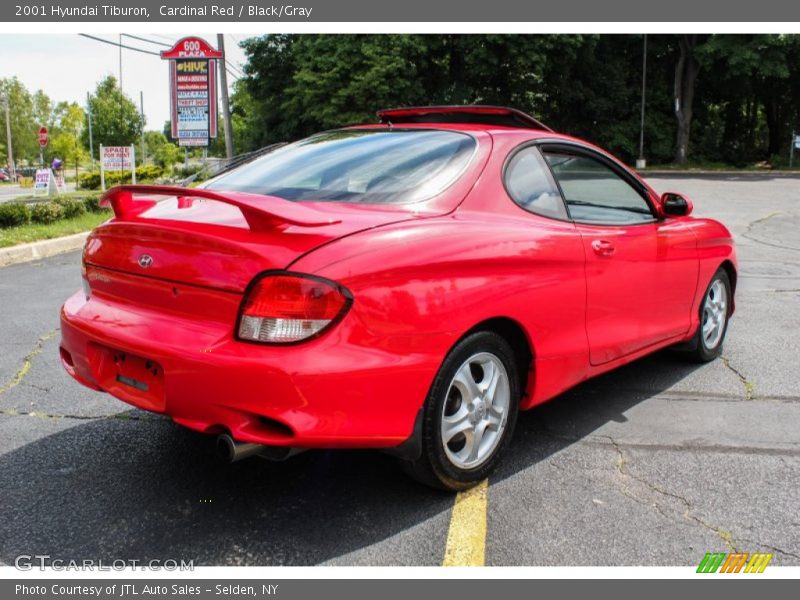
116,158
193,91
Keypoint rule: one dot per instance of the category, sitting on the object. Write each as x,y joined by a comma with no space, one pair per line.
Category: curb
718,174
41,249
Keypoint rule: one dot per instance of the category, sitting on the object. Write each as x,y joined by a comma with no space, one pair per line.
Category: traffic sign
43,138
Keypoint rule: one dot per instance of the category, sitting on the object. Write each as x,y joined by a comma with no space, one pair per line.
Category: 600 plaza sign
193,91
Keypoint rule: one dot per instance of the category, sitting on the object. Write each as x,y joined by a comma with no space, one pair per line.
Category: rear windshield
370,166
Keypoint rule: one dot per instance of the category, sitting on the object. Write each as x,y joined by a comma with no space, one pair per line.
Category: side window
531,186
595,193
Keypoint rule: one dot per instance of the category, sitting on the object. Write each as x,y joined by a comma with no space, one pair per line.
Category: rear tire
469,415
715,310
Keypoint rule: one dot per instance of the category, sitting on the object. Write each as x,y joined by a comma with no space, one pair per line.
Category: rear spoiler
262,213
482,114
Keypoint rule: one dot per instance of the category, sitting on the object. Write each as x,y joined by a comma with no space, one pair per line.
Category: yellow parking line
466,539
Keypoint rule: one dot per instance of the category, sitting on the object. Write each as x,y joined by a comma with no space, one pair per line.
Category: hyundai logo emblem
145,261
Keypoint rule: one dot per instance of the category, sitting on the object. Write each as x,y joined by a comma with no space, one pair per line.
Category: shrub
13,214
144,173
46,212
71,207
92,204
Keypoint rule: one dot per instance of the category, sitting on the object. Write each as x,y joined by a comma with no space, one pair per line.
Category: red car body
580,299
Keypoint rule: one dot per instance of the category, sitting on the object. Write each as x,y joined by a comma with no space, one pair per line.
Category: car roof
494,130
465,114
468,118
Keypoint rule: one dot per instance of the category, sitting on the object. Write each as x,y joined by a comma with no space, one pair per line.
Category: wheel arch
519,340
730,270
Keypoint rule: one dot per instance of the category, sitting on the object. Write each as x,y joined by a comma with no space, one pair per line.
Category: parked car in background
408,285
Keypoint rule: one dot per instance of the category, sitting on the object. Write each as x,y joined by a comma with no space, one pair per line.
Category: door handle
603,247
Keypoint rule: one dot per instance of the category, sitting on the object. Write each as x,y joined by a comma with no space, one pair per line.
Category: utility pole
642,163
120,62
89,114
141,113
10,151
226,109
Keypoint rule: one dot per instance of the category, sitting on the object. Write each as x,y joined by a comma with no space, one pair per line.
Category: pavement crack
769,547
27,362
12,412
625,474
749,387
748,233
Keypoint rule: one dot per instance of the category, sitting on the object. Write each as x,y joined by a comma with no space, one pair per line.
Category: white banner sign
115,158
42,180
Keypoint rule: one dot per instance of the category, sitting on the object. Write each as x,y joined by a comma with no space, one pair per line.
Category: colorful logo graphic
734,563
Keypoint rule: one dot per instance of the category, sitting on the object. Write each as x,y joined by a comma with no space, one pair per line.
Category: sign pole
102,170
133,164
791,150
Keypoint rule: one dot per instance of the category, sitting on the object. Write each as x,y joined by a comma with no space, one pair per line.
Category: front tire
469,415
715,310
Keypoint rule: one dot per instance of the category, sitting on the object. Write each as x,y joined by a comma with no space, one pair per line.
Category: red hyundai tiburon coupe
408,285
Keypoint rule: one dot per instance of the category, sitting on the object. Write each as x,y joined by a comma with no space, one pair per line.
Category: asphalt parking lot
654,464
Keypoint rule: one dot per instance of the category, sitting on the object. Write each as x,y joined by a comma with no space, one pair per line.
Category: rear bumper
330,392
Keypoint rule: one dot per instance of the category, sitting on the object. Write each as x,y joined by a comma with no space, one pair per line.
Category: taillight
284,308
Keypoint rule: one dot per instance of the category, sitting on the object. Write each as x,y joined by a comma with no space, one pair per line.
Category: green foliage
23,124
13,214
46,212
747,96
92,204
115,119
144,174
71,207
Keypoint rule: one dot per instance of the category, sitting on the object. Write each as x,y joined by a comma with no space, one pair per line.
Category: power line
118,45
141,39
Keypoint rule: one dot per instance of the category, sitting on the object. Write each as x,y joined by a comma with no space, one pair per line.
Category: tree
66,137
23,125
164,153
115,119
686,70
713,98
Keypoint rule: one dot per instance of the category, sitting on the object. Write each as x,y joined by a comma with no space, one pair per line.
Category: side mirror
676,205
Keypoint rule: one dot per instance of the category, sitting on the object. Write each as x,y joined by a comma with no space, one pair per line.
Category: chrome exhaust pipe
234,451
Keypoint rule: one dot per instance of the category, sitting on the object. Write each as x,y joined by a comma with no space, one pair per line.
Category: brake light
284,308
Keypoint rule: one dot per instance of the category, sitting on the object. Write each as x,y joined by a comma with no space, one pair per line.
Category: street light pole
641,163
141,113
10,151
89,115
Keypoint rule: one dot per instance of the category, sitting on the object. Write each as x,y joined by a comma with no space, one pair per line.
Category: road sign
43,138
193,90
797,142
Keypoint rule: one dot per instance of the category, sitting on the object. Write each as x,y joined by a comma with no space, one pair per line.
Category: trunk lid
218,240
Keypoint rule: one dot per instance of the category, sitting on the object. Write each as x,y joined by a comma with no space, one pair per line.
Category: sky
67,66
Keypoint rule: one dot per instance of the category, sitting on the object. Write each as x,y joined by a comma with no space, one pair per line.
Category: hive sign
193,90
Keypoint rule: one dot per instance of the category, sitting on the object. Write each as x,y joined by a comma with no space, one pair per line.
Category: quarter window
595,193
531,186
